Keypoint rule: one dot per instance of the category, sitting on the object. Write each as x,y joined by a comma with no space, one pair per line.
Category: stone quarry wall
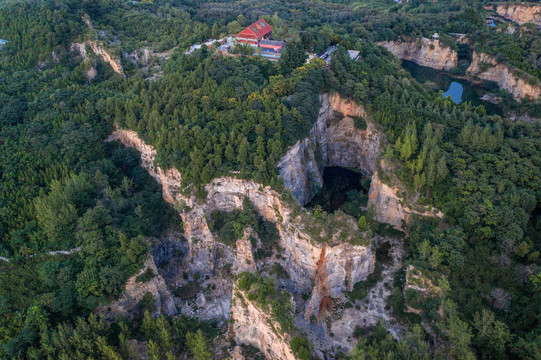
425,52
486,67
332,142
335,141
300,251
520,13
254,326
325,270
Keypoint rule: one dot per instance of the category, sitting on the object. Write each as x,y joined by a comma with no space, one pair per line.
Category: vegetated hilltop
221,126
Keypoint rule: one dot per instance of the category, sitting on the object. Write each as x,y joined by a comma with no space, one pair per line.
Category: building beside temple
271,49
254,33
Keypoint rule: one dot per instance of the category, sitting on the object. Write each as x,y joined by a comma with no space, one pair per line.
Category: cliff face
425,52
253,326
521,14
99,50
338,269
331,142
300,251
486,67
313,251
335,141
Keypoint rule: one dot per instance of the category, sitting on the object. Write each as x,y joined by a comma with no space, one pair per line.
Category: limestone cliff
299,232
254,326
338,269
335,141
425,52
98,49
332,142
306,243
520,13
486,67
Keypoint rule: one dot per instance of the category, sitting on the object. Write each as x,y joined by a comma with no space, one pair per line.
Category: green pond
459,90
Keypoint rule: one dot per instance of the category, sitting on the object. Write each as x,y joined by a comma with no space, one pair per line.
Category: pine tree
198,345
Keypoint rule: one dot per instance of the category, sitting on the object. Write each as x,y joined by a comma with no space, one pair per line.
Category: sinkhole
343,189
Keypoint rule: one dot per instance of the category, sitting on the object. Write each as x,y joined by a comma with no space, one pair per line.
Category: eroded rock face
338,269
520,13
127,305
425,52
325,268
99,50
300,251
486,67
334,141
254,326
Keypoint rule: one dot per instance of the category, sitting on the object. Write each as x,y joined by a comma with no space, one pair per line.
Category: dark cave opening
343,189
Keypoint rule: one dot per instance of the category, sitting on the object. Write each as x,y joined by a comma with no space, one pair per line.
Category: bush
299,346
146,276
362,222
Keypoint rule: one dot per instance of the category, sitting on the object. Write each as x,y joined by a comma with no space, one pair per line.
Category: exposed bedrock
255,326
300,251
319,258
423,51
486,67
98,49
335,140
521,13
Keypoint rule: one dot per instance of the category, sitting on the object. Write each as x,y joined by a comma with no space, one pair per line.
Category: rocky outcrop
390,207
419,283
338,269
520,13
134,292
333,141
98,49
486,67
300,248
425,52
254,326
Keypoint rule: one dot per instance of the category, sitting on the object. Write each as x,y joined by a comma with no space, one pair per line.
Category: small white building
353,54
435,36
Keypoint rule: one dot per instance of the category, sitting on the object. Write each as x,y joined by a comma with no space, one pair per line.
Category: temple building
271,49
254,33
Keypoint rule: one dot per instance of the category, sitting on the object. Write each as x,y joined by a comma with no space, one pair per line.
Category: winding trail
51,253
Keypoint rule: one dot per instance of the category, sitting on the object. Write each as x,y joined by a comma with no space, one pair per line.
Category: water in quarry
342,189
458,89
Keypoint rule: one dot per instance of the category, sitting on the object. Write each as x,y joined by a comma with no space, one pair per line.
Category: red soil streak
326,304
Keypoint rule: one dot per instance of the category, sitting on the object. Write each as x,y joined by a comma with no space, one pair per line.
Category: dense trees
209,117
63,188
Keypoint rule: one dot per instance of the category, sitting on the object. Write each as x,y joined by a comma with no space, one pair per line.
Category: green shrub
362,222
146,276
300,347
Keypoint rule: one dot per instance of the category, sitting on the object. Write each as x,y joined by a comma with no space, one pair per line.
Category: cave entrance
342,189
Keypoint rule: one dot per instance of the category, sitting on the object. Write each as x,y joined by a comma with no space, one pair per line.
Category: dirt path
52,253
